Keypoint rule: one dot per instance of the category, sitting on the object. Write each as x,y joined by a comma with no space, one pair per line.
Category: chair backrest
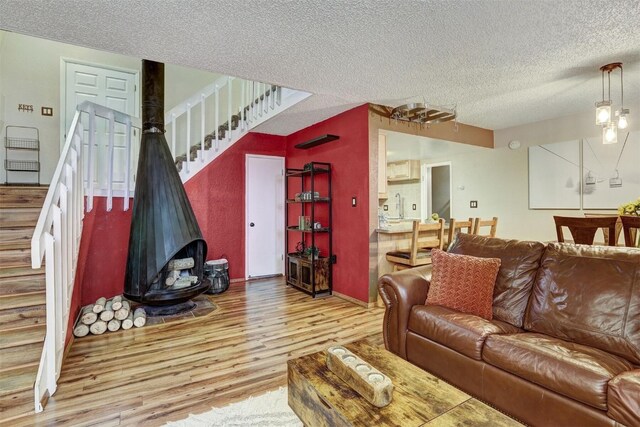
631,225
426,236
493,223
456,226
605,231
583,230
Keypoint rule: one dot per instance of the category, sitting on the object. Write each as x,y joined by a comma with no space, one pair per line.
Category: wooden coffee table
320,398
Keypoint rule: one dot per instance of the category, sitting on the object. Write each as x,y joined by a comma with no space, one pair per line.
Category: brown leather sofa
563,348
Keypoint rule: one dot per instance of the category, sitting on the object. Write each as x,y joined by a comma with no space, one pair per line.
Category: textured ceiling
503,63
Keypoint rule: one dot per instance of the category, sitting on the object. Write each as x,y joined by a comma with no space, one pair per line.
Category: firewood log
99,305
107,313
113,325
124,311
98,328
81,330
139,317
88,316
172,277
181,264
116,303
128,322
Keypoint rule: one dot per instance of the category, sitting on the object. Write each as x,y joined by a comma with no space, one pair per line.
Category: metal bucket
218,273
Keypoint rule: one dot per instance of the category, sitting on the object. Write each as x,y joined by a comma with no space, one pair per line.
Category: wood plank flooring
161,373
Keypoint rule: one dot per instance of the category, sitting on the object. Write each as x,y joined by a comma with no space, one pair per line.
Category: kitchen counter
395,230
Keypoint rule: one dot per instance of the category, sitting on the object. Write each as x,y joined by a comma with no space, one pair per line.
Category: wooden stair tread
27,284
22,196
22,317
18,217
21,336
17,380
20,357
15,238
15,257
26,299
19,271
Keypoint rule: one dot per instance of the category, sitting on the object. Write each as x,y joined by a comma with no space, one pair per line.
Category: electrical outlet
413,206
473,204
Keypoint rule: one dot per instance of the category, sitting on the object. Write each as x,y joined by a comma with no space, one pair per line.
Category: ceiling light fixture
604,117
423,113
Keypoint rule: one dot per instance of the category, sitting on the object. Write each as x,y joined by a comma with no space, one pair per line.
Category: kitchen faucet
399,206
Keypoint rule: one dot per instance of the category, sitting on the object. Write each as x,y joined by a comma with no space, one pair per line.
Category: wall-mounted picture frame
554,175
610,172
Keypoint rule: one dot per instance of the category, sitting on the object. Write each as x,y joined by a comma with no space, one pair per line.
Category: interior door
114,89
264,229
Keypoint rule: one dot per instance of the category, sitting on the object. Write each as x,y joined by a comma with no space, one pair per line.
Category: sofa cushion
463,282
570,369
624,398
464,333
589,295
519,263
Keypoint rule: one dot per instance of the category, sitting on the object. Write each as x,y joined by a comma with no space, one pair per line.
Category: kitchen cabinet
405,170
382,166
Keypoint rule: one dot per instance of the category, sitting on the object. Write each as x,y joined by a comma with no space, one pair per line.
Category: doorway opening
436,190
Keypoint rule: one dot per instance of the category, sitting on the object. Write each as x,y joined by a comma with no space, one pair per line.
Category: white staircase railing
56,238
227,100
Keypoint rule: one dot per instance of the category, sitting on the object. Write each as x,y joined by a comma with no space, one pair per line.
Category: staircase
22,299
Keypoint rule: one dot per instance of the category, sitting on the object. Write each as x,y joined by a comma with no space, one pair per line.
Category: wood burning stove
165,237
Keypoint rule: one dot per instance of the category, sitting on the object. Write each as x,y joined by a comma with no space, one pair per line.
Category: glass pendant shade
610,133
622,119
603,113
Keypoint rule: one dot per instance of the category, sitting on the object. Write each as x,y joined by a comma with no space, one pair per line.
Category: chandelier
604,117
422,113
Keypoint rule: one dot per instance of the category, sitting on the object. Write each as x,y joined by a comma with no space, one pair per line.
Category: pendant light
604,118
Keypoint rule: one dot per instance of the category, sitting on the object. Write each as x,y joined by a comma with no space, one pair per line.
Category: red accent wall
102,257
218,200
349,158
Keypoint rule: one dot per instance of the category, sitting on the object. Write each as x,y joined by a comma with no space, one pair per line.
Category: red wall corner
349,158
218,198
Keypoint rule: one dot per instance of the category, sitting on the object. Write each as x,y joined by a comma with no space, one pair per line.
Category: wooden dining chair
583,230
456,226
605,231
493,223
630,226
424,238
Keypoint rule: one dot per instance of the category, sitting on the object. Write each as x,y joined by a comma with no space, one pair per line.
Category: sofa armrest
623,399
400,291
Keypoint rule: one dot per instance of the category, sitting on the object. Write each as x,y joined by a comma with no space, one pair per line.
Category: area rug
270,410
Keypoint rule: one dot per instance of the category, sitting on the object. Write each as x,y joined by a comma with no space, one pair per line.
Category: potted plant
632,209
312,252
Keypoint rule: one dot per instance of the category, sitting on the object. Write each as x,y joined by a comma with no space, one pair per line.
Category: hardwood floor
161,373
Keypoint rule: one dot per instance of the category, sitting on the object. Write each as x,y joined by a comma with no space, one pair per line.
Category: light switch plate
473,204
353,202
46,111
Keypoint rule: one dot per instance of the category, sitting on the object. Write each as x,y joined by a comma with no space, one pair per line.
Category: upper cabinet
405,170
382,166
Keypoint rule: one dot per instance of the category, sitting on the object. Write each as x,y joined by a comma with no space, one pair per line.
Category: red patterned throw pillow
464,283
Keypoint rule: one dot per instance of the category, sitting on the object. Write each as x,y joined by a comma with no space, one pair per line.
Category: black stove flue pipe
163,225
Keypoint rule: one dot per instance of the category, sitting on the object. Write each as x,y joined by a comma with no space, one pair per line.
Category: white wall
30,74
498,178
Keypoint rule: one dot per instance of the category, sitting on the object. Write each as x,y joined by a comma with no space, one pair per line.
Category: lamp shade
610,133
603,113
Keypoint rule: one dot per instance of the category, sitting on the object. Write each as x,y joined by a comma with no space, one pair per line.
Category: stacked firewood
108,315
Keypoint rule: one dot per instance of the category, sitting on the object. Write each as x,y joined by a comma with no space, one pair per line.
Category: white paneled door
114,89
264,215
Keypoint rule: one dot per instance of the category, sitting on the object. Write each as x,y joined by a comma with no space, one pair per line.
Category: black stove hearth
165,263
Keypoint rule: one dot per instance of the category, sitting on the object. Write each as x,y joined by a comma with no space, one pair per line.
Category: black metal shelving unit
311,275
22,138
